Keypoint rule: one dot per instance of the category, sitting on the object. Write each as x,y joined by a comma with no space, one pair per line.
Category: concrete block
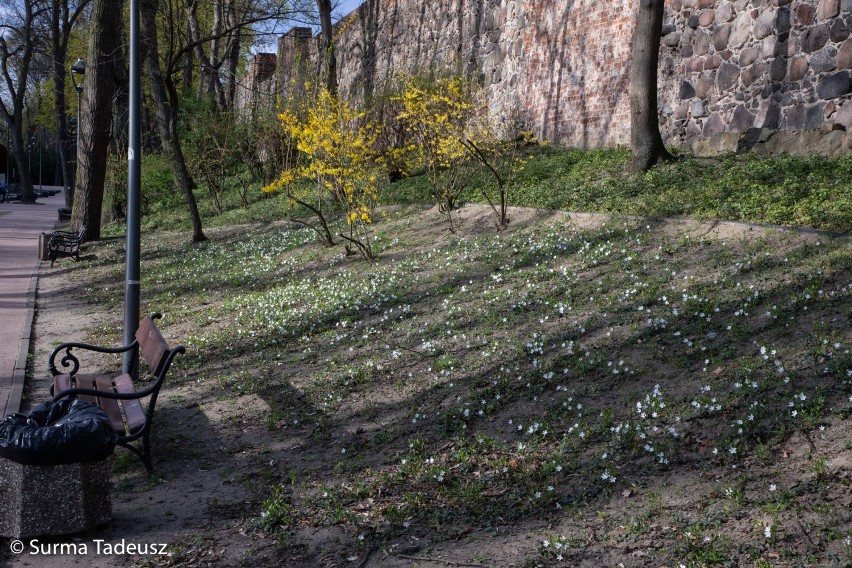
53,500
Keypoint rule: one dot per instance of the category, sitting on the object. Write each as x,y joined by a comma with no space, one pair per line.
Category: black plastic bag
65,431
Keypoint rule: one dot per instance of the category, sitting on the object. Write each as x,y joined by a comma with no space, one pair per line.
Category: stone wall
259,88
299,59
732,72
555,66
736,71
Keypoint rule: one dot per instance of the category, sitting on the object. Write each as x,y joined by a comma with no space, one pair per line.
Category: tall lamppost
79,68
40,186
9,165
134,173
35,139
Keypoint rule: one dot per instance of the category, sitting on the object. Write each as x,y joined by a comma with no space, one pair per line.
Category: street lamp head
79,67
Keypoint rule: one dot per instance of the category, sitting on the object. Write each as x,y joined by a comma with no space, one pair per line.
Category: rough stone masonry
734,74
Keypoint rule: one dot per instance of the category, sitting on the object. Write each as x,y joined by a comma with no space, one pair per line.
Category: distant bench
131,419
65,243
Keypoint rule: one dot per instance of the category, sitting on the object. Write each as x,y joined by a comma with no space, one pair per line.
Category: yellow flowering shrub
453,134
333,171
437,114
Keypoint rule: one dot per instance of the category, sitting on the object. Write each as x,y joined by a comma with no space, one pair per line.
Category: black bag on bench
53,433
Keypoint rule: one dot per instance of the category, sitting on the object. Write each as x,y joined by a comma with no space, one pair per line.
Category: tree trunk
232,55
329,59
63,17
15,66
198,49
121,106
188,65
96,114
167,115
215,88
645,139
19,153
60,54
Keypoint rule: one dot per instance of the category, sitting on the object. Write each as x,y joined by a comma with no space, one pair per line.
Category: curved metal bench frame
130,419
65,243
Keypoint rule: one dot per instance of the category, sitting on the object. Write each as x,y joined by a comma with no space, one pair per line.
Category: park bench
129,416
65,243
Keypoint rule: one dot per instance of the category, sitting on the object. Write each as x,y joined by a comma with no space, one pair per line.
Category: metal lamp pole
79,68
134,174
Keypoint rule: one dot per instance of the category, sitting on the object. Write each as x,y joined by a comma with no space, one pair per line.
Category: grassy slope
814,192
794,191
624,392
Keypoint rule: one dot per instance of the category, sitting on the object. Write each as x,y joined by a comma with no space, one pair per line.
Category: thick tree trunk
60,34
121,106
96,114
329,60
166,110
645,139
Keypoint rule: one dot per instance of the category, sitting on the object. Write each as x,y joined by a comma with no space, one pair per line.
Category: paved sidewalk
20,226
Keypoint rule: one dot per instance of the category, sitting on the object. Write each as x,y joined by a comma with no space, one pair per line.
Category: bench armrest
150,389
69,239
70,360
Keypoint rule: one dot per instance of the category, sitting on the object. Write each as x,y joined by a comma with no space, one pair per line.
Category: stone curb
16,391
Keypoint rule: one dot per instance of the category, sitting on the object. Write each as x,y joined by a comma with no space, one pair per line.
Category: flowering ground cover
576,390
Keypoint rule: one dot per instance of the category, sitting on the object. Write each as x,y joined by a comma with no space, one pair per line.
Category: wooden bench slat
152,347
85,383
110,405
65,381
61,383
133,411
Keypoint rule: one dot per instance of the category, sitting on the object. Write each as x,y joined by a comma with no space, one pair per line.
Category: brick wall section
297,58
575,78
558,66
562,66
259,88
